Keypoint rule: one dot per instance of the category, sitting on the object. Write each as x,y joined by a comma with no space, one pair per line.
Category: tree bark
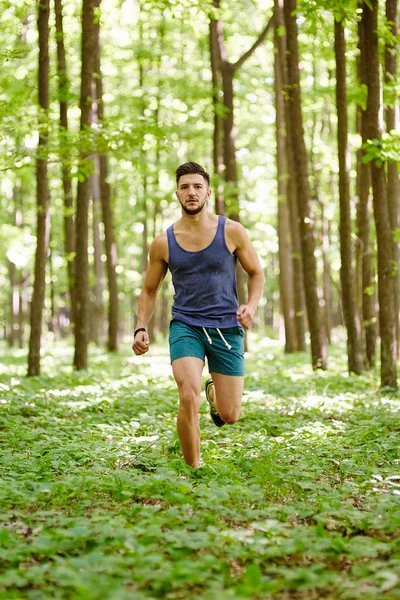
284,240
387,325
82,213
107,215
318,345
97,316
69,225
15,331
351,317
297,263
393,186
218,160
43,223
365,269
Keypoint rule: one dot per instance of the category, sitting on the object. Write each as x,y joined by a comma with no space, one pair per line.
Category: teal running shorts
224,348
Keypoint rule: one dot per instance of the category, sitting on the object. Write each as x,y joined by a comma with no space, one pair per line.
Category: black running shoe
213,411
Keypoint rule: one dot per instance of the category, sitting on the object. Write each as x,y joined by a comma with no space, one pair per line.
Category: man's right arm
147,300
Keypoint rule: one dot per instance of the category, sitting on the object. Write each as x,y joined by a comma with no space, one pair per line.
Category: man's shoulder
235,230
159,246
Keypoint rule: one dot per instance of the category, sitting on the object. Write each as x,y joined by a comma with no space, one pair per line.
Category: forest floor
298,500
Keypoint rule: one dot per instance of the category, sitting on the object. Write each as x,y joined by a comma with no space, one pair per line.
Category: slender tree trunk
14,304
107,215
284,239
297,269
393,186
218,121
326,292
318,346
43,224
365,267
387,326
352,321
14,333
82,214
69,225
97,316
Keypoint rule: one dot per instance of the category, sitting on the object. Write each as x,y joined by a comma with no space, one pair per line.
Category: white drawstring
221,336
224,340
207,336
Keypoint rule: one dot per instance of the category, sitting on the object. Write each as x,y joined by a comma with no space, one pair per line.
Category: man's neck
202,219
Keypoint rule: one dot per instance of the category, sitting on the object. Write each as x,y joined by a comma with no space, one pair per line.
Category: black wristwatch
137,331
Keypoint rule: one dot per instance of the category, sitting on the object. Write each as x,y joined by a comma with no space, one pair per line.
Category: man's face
192,193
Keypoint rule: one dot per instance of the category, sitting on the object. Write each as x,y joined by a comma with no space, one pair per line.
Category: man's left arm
250,262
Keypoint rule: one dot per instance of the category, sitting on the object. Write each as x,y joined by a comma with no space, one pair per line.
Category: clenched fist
141,343
245,315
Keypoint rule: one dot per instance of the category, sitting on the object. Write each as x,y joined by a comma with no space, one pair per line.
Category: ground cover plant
299,499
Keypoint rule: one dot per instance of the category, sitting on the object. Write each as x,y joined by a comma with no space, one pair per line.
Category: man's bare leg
187,372
226,394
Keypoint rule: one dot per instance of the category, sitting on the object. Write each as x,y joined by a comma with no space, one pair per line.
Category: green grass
298,500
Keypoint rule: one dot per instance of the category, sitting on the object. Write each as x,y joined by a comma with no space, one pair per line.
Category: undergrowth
298,500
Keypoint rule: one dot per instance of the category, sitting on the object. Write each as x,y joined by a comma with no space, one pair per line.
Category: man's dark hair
192,168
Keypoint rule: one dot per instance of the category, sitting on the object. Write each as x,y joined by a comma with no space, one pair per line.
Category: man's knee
189,400
229,416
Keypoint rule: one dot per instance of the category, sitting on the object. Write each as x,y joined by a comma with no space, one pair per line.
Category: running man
201,250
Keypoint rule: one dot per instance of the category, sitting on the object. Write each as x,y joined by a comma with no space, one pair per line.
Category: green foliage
299,499
383,150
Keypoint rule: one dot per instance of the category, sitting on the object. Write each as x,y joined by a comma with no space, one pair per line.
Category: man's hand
245,315
141,343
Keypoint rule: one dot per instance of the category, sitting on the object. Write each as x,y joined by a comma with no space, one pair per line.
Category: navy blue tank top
204,282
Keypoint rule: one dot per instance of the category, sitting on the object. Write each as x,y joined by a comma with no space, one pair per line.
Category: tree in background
284,237
43,223
293,230
106,207
69,225
387,320
82,212
351,317
365,268
392,123
228,70
318,344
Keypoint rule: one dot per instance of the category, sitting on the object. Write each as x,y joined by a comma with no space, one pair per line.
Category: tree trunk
326,293
297,270
14,333
365,269
43,224
97,316
107,216
285,245
318,346
393,187
218,160
387,326
351,317
69,225
82,213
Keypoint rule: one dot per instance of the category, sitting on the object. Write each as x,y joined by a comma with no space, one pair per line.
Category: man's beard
193,211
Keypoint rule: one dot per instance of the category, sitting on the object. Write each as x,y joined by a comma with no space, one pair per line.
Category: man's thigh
187,373
229,392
